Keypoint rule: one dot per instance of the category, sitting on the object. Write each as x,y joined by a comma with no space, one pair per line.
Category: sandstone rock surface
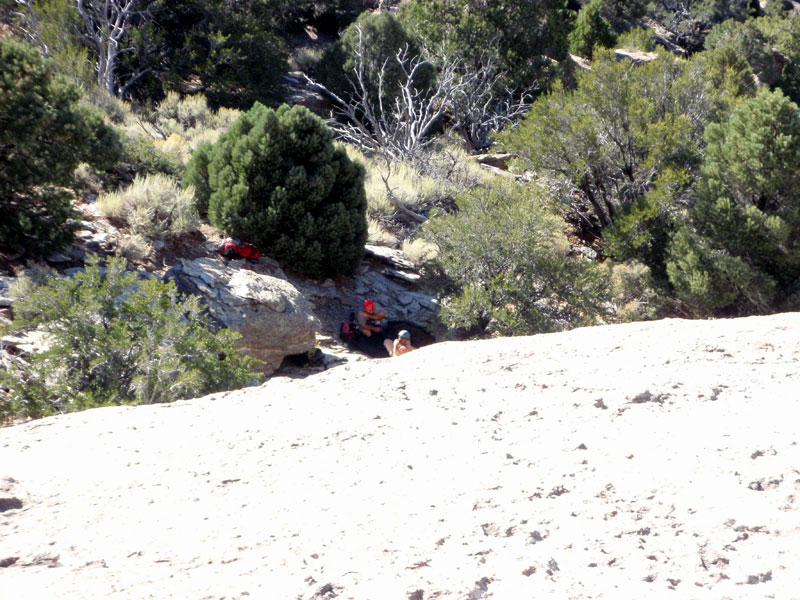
275,320
650,460
635,56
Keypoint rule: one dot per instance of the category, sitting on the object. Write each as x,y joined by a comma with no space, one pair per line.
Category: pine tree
591,29
45,132
743,253
276,179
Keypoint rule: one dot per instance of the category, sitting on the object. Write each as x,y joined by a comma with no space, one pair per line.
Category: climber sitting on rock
369,318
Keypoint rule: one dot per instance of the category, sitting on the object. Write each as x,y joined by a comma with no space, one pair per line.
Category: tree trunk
106,23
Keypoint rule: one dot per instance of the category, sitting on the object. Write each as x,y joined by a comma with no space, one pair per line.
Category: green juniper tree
742,253
620,14
230,52
277,180
45,132
505,265
529,37
379,37
626,145
591,29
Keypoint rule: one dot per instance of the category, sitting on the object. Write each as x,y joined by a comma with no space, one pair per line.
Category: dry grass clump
152,206
633,292
190,116
178,126
184,113
305,59
117,111
87,179
418,251
134,248
453,168
408,187
175,144
377,234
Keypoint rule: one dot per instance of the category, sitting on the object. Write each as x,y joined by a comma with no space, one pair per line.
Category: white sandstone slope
638,461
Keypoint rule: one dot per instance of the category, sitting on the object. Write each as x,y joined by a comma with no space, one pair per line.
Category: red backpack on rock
232,248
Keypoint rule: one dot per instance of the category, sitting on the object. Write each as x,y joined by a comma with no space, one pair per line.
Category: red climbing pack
235,249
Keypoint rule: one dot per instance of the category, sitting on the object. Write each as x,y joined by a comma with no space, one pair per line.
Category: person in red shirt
369,318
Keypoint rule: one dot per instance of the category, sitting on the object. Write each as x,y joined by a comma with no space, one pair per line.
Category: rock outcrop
646,460
387,277
635,56
5,299
275,320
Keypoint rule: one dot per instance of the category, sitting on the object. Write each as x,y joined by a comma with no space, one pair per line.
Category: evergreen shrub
45,132
741,254
626,143
382,37
634,293
591,29
505,265
276,179
115,339
637,38
527,38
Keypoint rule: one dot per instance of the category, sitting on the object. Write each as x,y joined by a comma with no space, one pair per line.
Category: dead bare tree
106,24
481,107
470,99
400,128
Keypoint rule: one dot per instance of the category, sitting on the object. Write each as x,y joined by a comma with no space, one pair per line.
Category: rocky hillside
644,460
277,313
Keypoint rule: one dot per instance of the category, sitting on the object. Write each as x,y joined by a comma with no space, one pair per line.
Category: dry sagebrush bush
180,125
87,179
152,206
223,118
454,168
176,145
198,138
418,250
410,187
135,248
305,59
188,112
117,111
633,292
377,234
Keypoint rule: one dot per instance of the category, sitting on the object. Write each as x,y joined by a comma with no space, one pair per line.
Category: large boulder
275,320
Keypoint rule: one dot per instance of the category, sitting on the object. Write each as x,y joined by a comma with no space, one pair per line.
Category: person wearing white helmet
399,346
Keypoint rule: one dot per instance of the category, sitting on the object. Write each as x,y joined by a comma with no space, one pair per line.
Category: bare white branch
468,98
482,108
106,23
400,129
29,19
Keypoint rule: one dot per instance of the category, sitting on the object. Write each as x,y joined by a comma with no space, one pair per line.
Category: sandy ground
633,461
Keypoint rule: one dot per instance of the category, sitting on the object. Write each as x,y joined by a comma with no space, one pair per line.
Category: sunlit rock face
630,461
